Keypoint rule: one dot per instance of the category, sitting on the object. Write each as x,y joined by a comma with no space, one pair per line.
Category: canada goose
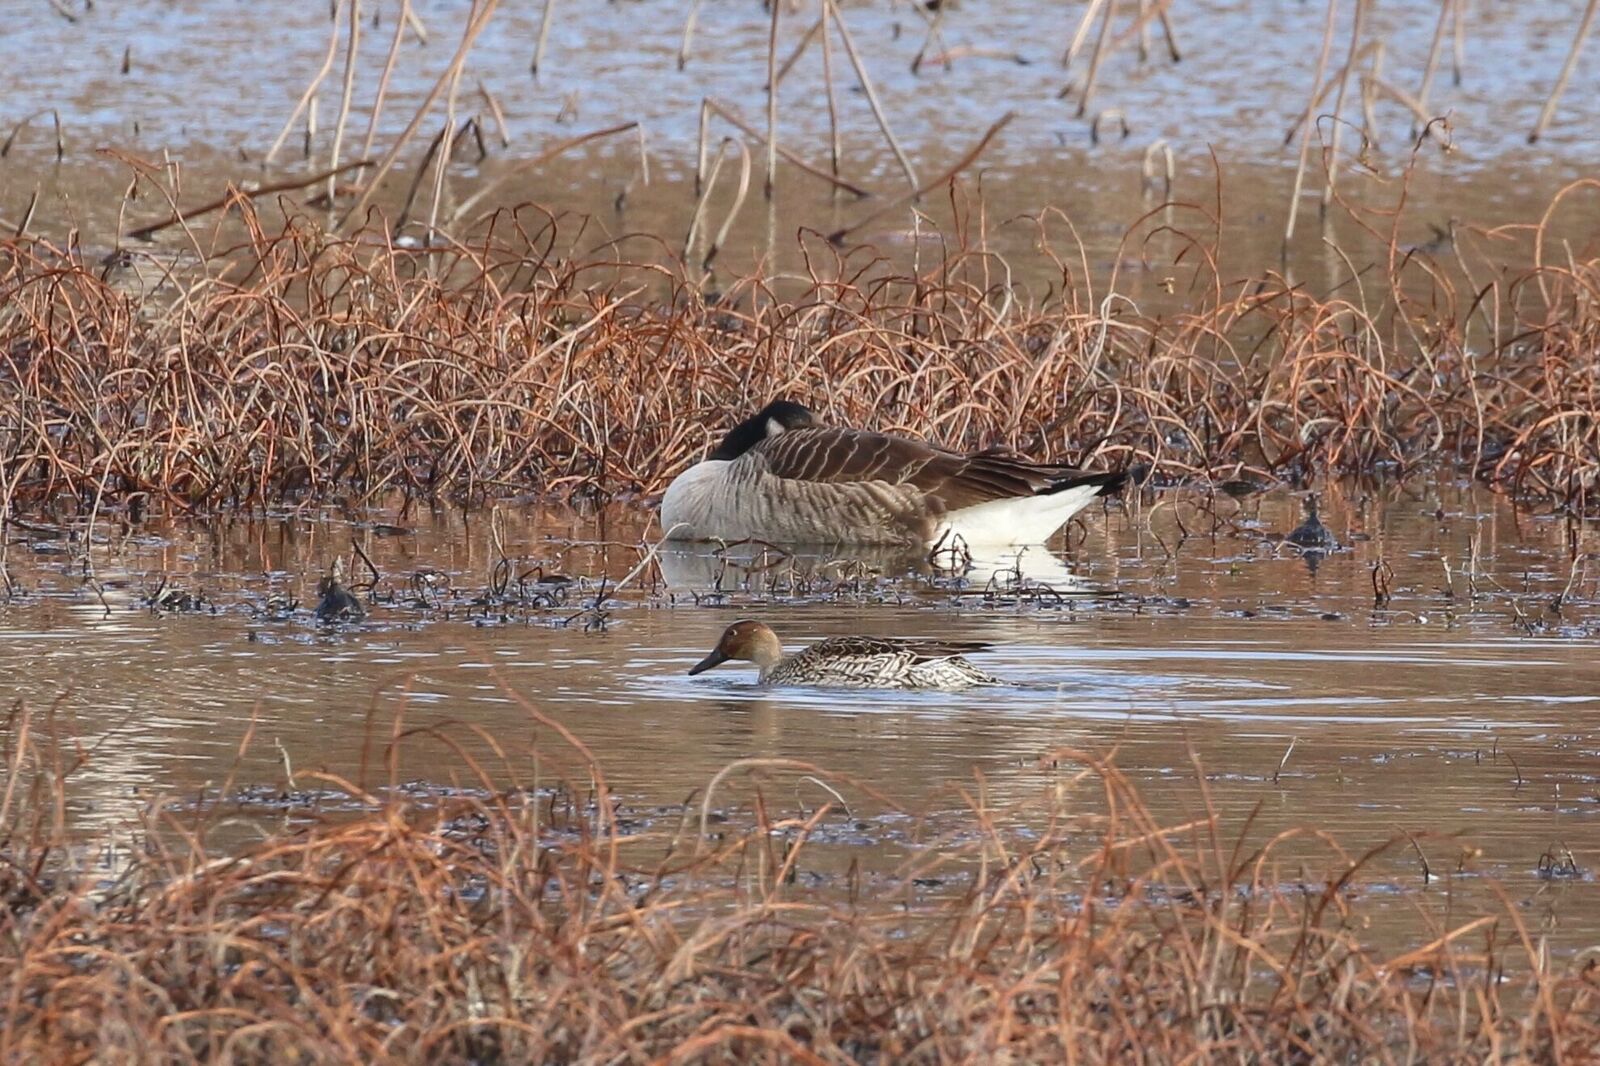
783,476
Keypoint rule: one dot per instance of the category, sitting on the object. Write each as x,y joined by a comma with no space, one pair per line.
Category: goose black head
773,419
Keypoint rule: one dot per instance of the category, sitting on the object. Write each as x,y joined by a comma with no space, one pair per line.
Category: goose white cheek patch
774,427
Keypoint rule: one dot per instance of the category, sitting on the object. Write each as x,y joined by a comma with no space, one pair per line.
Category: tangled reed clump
294,365
526,925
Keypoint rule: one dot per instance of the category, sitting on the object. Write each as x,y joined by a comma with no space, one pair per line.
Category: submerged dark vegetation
549,922
260,364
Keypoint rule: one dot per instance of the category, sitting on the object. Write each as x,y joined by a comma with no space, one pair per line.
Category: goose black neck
782,414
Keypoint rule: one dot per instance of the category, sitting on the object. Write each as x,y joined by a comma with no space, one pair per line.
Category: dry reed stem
489,189
1304,124
689,23
22,124
966,160
1097,57
346,95
234,195
1548,112
1431,65
1332,166
732,117
382,90
1081,34
827,81
308,98
482,12
446,153
290,365
733,209
871,94
545,18
799,49
771,181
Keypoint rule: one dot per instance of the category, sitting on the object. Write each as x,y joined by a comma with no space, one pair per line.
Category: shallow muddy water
210,85
1246,71
1433,714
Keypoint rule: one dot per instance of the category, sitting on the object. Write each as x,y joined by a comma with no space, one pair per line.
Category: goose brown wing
947,480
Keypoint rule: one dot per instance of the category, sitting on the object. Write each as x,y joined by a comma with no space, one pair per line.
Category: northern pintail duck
849,662
783,476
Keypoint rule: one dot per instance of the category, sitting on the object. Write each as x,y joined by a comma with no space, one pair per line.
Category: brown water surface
1435,713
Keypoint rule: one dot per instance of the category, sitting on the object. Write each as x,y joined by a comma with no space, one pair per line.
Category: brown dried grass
527,925
293,365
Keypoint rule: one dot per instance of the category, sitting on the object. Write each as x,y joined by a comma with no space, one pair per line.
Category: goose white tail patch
1024,520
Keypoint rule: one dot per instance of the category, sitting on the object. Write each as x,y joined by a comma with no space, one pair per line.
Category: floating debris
1311,534
336,603
170,598
1239,488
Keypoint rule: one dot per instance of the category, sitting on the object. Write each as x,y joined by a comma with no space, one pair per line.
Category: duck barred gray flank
783,476
849,662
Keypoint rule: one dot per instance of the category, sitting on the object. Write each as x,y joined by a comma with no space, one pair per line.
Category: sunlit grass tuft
537,925
298,366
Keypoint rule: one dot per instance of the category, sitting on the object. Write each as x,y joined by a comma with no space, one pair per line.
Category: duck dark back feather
921,650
